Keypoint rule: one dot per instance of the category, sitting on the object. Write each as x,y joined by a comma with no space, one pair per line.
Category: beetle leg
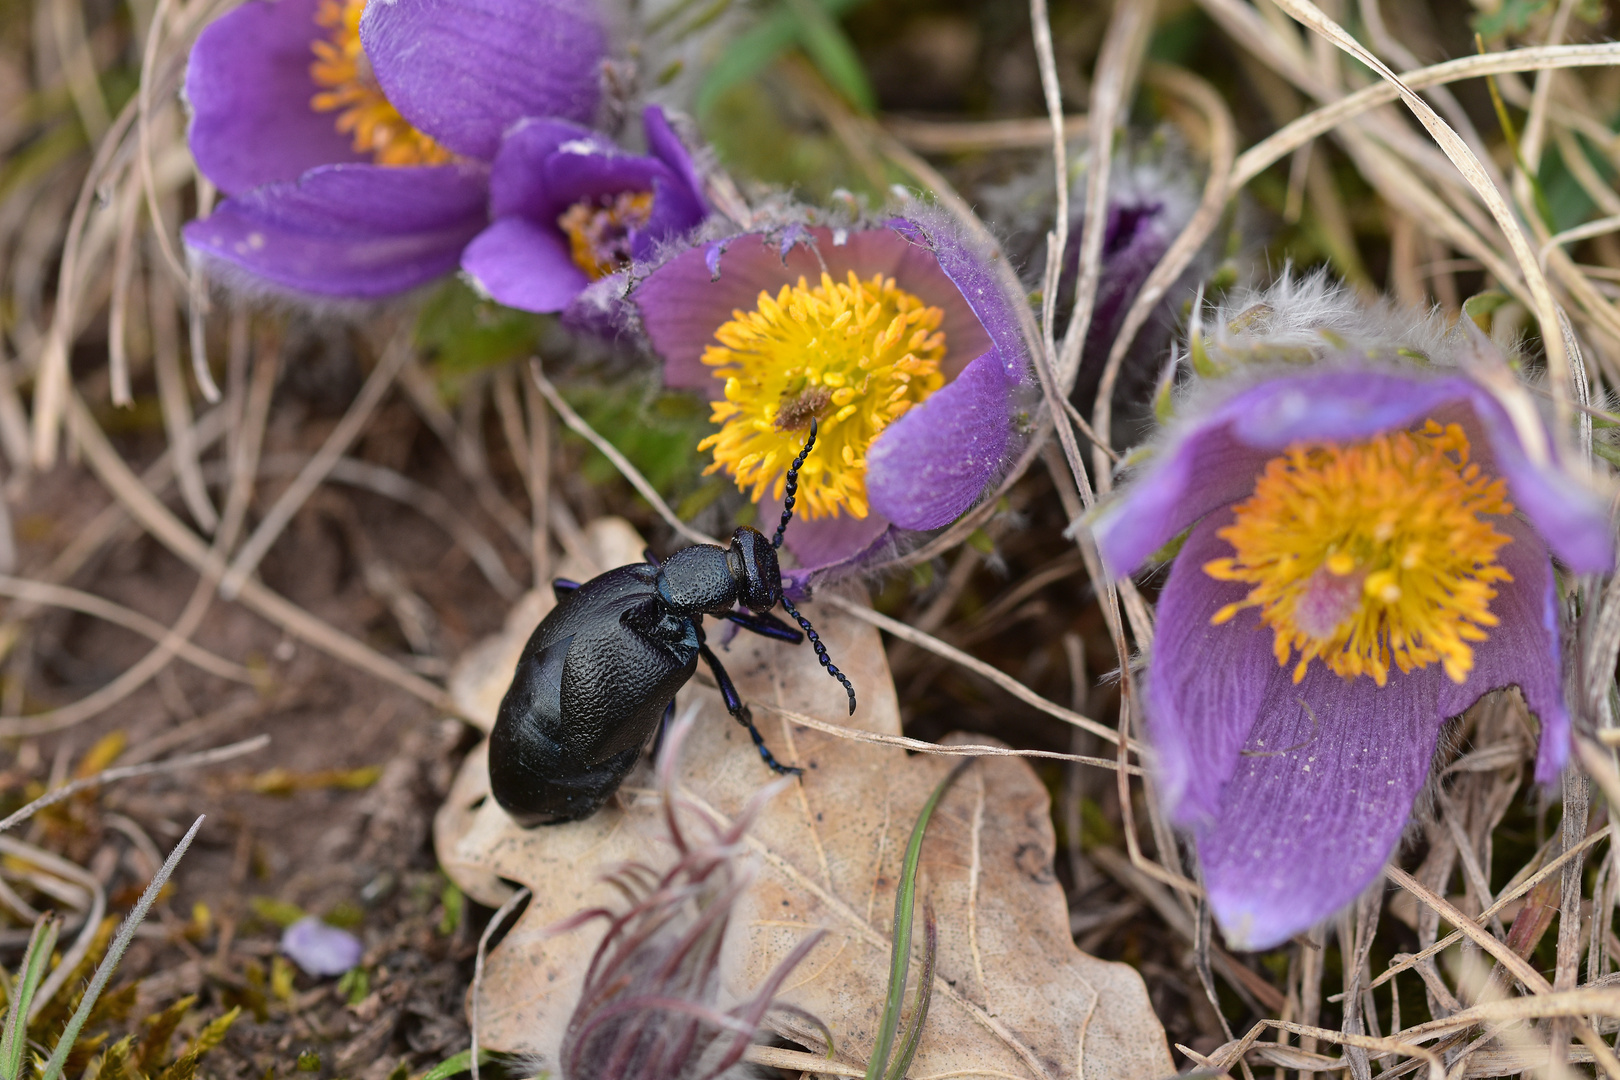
740,713
766,625
663,726
648,557
561,587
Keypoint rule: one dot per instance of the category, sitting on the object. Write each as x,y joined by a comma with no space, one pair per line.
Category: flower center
599,229
351,91
1372,554
854,355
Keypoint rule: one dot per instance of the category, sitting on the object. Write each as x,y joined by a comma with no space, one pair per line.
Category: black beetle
602,669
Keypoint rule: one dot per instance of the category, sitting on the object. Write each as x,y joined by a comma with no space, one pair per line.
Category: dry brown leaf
1013,997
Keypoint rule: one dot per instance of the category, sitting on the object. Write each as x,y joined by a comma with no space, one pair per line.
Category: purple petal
674,213
573,175
462,71
1214,460
820,542
517,180
976,280
792,237
524,266
711,257
1205,684
935,461
249,88
320,949
345,230
682,303
1294,821
1302,830
666,146
1523,649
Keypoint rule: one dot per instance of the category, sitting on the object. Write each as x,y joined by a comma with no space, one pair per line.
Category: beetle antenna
792,489
821,650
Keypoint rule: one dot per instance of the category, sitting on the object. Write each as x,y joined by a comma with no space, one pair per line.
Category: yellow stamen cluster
598,230
364,112
1369,555
854,355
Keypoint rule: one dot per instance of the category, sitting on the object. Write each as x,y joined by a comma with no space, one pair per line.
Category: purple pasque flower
898,338
1368,550
353,140
1151,197
571,208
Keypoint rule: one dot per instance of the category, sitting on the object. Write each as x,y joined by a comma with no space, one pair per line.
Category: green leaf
1511,18
454,903
280,912
209,1037
109,963
1480,306
900,958
355,985
160,1027
752,52
925,994
309,1061
658,431
832,53
455,1066
41,943
467,333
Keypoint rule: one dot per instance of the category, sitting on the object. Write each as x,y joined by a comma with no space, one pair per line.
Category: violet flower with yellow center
1368,550
353,140
899,339
856,355
572,208
364,111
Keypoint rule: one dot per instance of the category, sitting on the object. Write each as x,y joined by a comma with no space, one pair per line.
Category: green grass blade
115,953
900,957
41,944
752,52
925,996
832,53
457,1064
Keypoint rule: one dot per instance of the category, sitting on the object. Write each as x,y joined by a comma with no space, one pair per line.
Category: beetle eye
755,569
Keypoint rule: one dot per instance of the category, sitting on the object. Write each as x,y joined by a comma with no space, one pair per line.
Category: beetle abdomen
590,688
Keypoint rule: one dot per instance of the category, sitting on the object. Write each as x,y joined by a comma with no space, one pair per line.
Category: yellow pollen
854,355
598,230
351,91
1371,555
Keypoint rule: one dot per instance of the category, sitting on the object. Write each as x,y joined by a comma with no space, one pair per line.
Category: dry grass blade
1507,897
1117,65
1516,965
1295,134
975,665
376,387
1458,151
39,592
87,886
1223,145
944,749
957,136
167,529
608,450
128,772
115,953
495,923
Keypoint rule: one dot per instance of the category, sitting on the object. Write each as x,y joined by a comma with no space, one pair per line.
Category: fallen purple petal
320,949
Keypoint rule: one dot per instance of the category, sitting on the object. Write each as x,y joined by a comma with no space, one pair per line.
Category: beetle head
753,565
